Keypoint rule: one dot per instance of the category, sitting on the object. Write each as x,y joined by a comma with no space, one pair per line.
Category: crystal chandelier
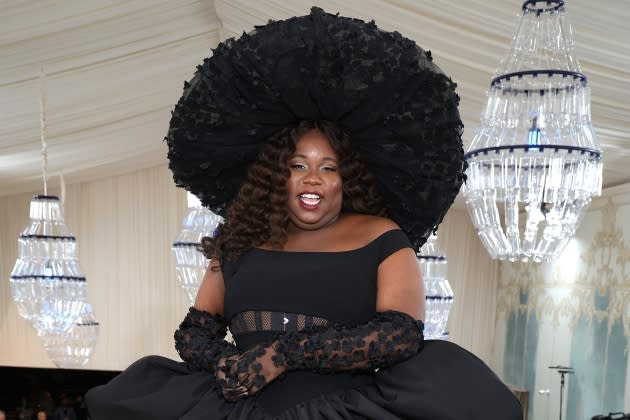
74,348
439,295
534,157
190,263
47,283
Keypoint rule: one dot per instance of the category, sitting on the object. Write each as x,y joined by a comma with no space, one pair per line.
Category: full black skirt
443,382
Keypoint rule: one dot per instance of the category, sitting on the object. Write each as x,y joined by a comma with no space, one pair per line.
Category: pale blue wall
521,347
583,302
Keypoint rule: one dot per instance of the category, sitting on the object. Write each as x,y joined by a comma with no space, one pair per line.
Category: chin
307,226
303,224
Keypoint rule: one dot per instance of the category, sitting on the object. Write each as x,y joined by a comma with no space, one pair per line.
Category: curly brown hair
259,213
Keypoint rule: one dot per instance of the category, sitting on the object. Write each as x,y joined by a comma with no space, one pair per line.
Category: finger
248,383
219,375
236,389
235,394
252,382
243,377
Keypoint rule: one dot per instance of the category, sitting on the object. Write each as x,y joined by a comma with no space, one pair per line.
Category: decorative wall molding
592,282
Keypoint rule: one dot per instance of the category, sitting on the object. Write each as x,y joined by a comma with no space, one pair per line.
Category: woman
324,293
320,190
333,149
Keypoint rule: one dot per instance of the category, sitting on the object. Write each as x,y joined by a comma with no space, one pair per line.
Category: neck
333,220
294,229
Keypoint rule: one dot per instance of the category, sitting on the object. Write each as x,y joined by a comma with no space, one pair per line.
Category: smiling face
314,186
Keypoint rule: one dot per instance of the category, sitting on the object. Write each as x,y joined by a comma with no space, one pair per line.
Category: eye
329,169
297,166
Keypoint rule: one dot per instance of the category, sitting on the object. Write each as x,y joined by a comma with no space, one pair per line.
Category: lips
310,199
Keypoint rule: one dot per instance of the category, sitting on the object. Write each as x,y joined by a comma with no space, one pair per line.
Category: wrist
292,353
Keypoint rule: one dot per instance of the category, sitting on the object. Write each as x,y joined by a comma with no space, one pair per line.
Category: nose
312,177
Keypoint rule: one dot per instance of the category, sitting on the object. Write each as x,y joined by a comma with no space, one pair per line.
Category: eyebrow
305,157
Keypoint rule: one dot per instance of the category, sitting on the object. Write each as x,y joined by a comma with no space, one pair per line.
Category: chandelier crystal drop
534,159
47,283
190,263
439,295
74,348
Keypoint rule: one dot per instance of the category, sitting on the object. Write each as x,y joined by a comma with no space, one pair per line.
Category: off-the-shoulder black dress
442,382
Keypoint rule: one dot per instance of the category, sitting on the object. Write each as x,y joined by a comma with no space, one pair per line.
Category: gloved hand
389,338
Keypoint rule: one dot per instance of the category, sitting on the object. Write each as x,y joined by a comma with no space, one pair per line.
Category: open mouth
310,199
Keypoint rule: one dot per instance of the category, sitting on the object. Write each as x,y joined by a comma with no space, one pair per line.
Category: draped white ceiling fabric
116,68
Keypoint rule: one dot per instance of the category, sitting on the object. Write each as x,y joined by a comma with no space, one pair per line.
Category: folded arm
390,337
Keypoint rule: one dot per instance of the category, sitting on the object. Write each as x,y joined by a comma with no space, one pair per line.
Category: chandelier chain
43,127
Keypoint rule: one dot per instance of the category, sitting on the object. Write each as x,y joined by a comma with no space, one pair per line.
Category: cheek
290,183
338,187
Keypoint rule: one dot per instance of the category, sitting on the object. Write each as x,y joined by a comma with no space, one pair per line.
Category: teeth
310,199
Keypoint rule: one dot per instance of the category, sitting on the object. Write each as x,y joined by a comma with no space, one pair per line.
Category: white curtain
125,226
473,275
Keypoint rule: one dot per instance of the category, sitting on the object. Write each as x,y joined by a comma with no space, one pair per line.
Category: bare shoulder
370,222
369,227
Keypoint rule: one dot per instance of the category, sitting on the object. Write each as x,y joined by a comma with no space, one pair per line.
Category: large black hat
397,106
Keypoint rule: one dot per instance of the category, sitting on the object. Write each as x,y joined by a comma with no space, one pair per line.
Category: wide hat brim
397,106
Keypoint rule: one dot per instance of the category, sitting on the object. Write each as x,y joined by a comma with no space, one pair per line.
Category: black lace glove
243,375
200,340
389,338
